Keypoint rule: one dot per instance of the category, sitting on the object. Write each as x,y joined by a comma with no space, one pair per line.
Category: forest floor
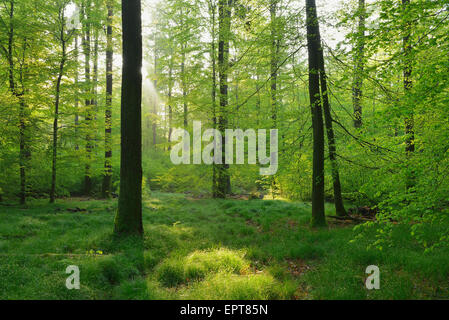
204,249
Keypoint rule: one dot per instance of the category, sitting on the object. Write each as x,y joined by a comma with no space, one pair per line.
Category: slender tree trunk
408,85
56,114
183,84
359,65
76,92
89,100
107,177
258,102
223,184
338,199
129,215
154,124
274,56
314,46
23,149
95,80
212,8
274,61
170,94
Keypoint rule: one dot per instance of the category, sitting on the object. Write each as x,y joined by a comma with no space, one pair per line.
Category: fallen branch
351,218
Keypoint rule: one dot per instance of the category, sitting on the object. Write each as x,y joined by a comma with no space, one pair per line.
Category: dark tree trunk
184,89
274,56
258,103
76,92
24,153
212,8
359,65
107,177
129,215
170,94
95,78
154,124
57,99
408,84
274,60
314,46
223,178
338,199
88,99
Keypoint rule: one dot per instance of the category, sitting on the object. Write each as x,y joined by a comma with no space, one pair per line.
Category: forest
224,149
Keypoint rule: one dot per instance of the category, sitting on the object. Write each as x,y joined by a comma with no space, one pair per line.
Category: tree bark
359,65
314,45
224,8
183,84
129,216
88,98
154,124
408,85
76,92
212,9
274,65
57,100
274,60
107,177
24,152
338,199
170,95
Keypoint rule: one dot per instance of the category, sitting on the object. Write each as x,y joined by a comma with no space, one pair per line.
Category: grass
204,249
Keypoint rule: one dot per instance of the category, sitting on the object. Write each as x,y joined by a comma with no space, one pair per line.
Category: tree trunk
95,80
408,84
212,8
76,93
154,124
314,45
274,60
223,179
338,199
274,56
183,84
359,64
88,100
170,94
23,148
129,215
56,114
107,177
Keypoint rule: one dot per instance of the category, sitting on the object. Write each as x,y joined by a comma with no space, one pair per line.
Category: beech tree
107,177
314,48
359,62
64,37
224,18
129,215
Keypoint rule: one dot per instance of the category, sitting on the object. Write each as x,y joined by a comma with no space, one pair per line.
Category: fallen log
351,218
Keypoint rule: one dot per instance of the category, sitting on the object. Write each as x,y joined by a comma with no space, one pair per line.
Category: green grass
204,249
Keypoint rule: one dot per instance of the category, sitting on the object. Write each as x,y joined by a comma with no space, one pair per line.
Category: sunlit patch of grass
199,264
228,286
